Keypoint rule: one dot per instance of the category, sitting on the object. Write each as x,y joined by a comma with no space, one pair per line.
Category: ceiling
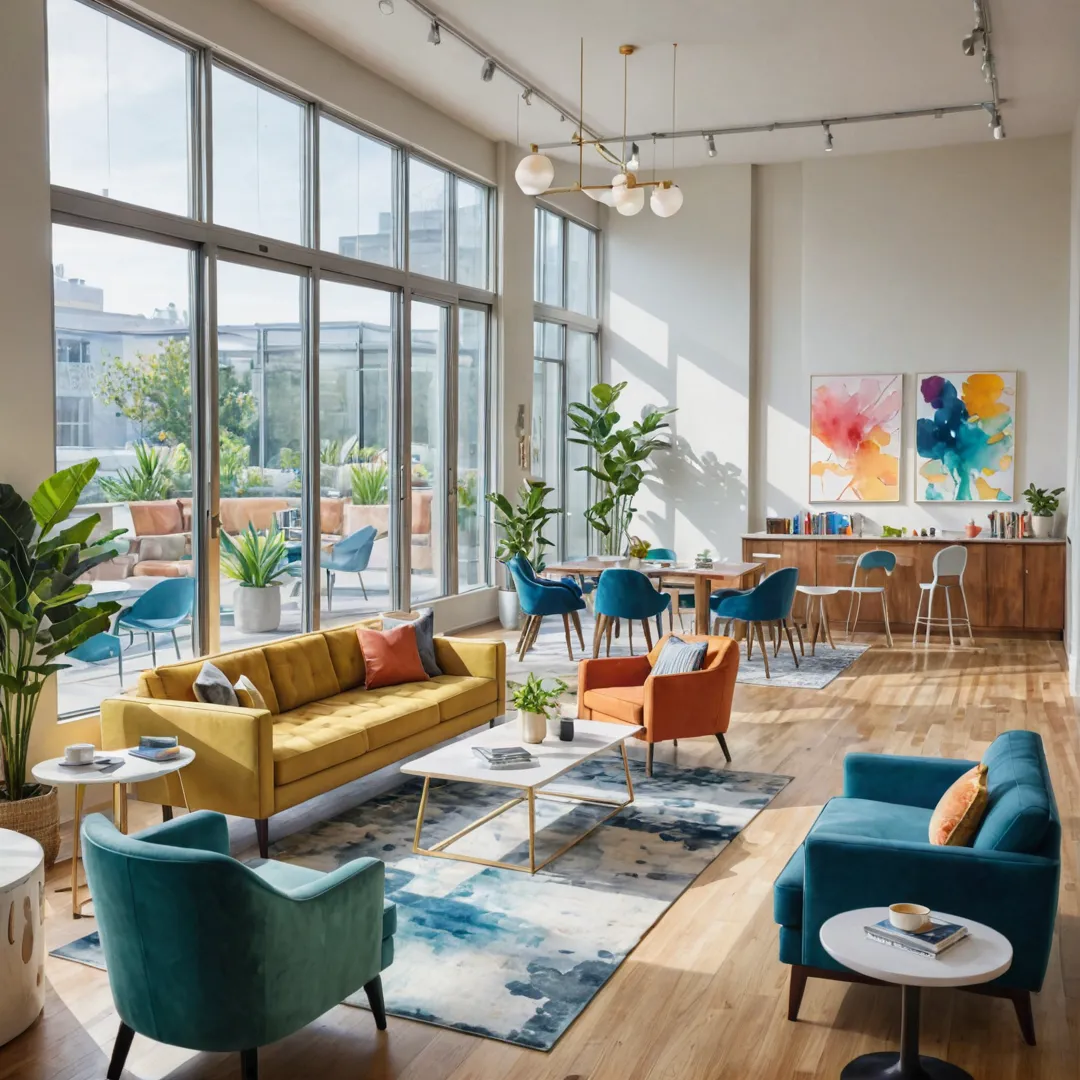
739,62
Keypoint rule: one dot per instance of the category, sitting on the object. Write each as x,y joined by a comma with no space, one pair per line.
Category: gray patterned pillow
213,686
424,625
678,657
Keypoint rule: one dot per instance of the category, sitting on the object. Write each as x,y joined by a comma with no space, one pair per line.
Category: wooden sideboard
1013,587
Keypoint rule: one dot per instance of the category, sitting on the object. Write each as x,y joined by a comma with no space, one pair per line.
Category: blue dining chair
629,595
160,610
682,598
770,602
350,556
103,646
539,597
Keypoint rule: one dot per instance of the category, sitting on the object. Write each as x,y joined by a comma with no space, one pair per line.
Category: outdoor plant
43,615
149,480
619,459
532,696
1043,503
253,558
233,455
421,475
371,484
522,527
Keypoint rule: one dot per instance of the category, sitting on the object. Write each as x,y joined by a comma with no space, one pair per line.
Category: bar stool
949,566
868,562
818,593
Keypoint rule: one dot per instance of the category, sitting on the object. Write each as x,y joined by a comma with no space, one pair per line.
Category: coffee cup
80,753
910,917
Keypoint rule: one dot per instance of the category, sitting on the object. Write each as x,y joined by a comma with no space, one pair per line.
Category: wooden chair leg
577,626
120,1052
649,747
609,625
764,650
796,986
778,637
749,640
374,993
262,832
535,633
791,643
723,746
566,628
598,635
648,635
885,616
521,637
798,634
825,622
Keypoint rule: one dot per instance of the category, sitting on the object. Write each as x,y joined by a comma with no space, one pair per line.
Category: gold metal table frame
529,796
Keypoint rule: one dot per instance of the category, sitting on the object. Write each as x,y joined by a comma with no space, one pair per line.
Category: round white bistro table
983,955
22,933
818,593
130,770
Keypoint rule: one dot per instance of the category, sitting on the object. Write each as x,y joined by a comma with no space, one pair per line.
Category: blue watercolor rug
506,955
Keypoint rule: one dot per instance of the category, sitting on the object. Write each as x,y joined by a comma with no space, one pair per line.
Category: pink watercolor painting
855,438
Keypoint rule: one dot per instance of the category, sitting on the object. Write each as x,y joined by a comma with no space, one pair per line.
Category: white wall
677,328
922,261
1072,609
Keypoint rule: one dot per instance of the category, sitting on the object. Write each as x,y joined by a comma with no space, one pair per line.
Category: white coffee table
130,770
983,955
456,761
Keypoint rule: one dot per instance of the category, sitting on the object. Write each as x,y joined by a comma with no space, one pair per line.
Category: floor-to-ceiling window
565,366
251,375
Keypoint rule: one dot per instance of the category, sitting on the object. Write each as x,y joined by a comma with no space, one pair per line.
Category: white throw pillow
247,694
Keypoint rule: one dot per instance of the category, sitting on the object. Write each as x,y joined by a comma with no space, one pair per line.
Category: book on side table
932,940
157,748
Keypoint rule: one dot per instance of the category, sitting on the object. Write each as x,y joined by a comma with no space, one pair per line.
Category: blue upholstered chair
160,610
870,847
769,602
539,597
210,954
629,595
350,556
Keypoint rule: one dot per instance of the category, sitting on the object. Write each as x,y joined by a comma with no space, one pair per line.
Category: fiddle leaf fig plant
44,612
522,526
1043,503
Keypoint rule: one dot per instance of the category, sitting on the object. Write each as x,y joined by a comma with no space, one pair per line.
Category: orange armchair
623,690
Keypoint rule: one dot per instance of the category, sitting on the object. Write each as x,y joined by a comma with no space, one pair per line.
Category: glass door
470,486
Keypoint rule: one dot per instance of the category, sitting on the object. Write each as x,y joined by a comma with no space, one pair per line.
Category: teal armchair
870,847
211,954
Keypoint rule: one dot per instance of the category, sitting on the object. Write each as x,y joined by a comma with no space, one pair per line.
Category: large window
311,244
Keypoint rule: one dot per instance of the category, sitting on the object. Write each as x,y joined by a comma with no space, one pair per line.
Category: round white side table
22,933
129,770
983,955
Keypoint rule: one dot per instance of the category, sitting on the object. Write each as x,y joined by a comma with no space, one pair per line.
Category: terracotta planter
38,818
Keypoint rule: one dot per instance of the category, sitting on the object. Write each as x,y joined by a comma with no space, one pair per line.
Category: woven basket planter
37,817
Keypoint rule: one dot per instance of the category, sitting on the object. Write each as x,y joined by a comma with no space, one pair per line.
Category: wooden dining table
721,575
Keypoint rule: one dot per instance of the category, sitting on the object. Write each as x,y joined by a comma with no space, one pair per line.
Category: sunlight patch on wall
643,331
787,450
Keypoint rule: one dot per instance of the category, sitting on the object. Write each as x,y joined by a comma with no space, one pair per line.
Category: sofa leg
723,746
120,1052
374,993
262,831
249,1064
1021,1000
166,813
796,986
648,759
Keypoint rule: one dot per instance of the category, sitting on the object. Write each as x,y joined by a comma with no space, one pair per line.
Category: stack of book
1010,524
807,524
932,940
505,757
157,748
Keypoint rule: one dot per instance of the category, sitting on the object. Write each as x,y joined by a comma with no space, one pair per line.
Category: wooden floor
703,996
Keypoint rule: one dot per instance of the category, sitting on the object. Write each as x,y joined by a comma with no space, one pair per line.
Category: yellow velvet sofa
320,729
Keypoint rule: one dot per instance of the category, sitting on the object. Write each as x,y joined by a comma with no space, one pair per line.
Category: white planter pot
509,609
533,726
256,611
1042,528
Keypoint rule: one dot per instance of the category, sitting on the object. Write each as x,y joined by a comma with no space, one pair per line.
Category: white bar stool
819,593
949,566
866,564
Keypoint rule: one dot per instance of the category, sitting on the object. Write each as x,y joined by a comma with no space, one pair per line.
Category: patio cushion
625,703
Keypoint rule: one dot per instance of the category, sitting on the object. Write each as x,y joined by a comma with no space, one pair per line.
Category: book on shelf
829,523
932,940
1009,524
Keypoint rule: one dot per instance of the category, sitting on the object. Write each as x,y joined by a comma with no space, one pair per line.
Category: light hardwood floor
703,997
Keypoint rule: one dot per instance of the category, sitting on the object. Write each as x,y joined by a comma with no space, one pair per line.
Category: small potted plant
255,561
637,550
703,560
1044,506
535,704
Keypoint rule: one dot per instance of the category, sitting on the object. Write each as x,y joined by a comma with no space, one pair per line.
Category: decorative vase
37,817
634,563
255,611
1042,526
509,609
533,726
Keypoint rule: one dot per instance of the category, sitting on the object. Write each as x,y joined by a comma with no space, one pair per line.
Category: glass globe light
534,173
632,202
666,200
601,195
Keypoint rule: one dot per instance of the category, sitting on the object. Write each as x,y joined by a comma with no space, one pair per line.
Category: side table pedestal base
886,1066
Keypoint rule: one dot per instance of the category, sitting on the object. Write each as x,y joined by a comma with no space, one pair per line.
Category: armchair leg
249,1064
1021,1000
796,986
262,831
374,993
166,813
120,1052
566,629
648,759
723,746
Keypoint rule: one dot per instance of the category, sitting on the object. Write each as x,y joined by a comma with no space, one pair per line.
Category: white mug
80,753
910,917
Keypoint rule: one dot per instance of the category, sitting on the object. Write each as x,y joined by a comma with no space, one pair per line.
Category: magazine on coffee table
504,757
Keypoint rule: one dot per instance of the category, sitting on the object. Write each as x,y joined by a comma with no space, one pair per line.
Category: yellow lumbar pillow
959,813
247,694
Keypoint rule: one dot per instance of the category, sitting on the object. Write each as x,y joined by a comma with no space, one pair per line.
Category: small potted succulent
535,704
703,560
1044,505
255,561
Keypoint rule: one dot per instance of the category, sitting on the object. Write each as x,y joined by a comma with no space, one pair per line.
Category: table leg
908,1064
120,807
80,790
532,831
701,604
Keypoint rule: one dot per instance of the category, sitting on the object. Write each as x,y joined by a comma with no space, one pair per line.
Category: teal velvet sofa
208,953
871,847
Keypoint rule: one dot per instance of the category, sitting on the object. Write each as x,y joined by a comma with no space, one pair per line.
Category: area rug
813,673
514,957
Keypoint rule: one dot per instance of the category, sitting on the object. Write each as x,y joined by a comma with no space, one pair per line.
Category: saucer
96,761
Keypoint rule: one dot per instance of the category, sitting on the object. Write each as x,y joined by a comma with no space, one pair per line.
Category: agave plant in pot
1044,505
44,614
256,562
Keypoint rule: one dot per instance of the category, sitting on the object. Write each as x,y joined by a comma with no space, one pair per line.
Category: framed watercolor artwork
855,438
965,436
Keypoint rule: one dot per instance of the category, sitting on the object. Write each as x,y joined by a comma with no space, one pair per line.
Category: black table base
908,1064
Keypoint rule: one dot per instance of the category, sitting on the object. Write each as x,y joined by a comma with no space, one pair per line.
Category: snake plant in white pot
256,562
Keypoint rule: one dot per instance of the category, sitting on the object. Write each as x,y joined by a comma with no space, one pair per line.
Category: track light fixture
527,96
386,7
828,138
433,34
997,126
972,40
487,72
635,161
710,145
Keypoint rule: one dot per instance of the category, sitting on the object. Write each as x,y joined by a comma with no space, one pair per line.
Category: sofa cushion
1019,808
321,734
346,656
423,622
391,657
212,687
175,681
625,703
454,695
301,670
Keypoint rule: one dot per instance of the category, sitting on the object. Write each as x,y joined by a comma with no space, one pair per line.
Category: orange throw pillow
390,656
958,815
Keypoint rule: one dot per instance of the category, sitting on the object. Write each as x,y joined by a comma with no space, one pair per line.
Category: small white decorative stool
22,933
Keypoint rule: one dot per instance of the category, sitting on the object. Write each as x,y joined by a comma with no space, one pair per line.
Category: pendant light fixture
666,197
